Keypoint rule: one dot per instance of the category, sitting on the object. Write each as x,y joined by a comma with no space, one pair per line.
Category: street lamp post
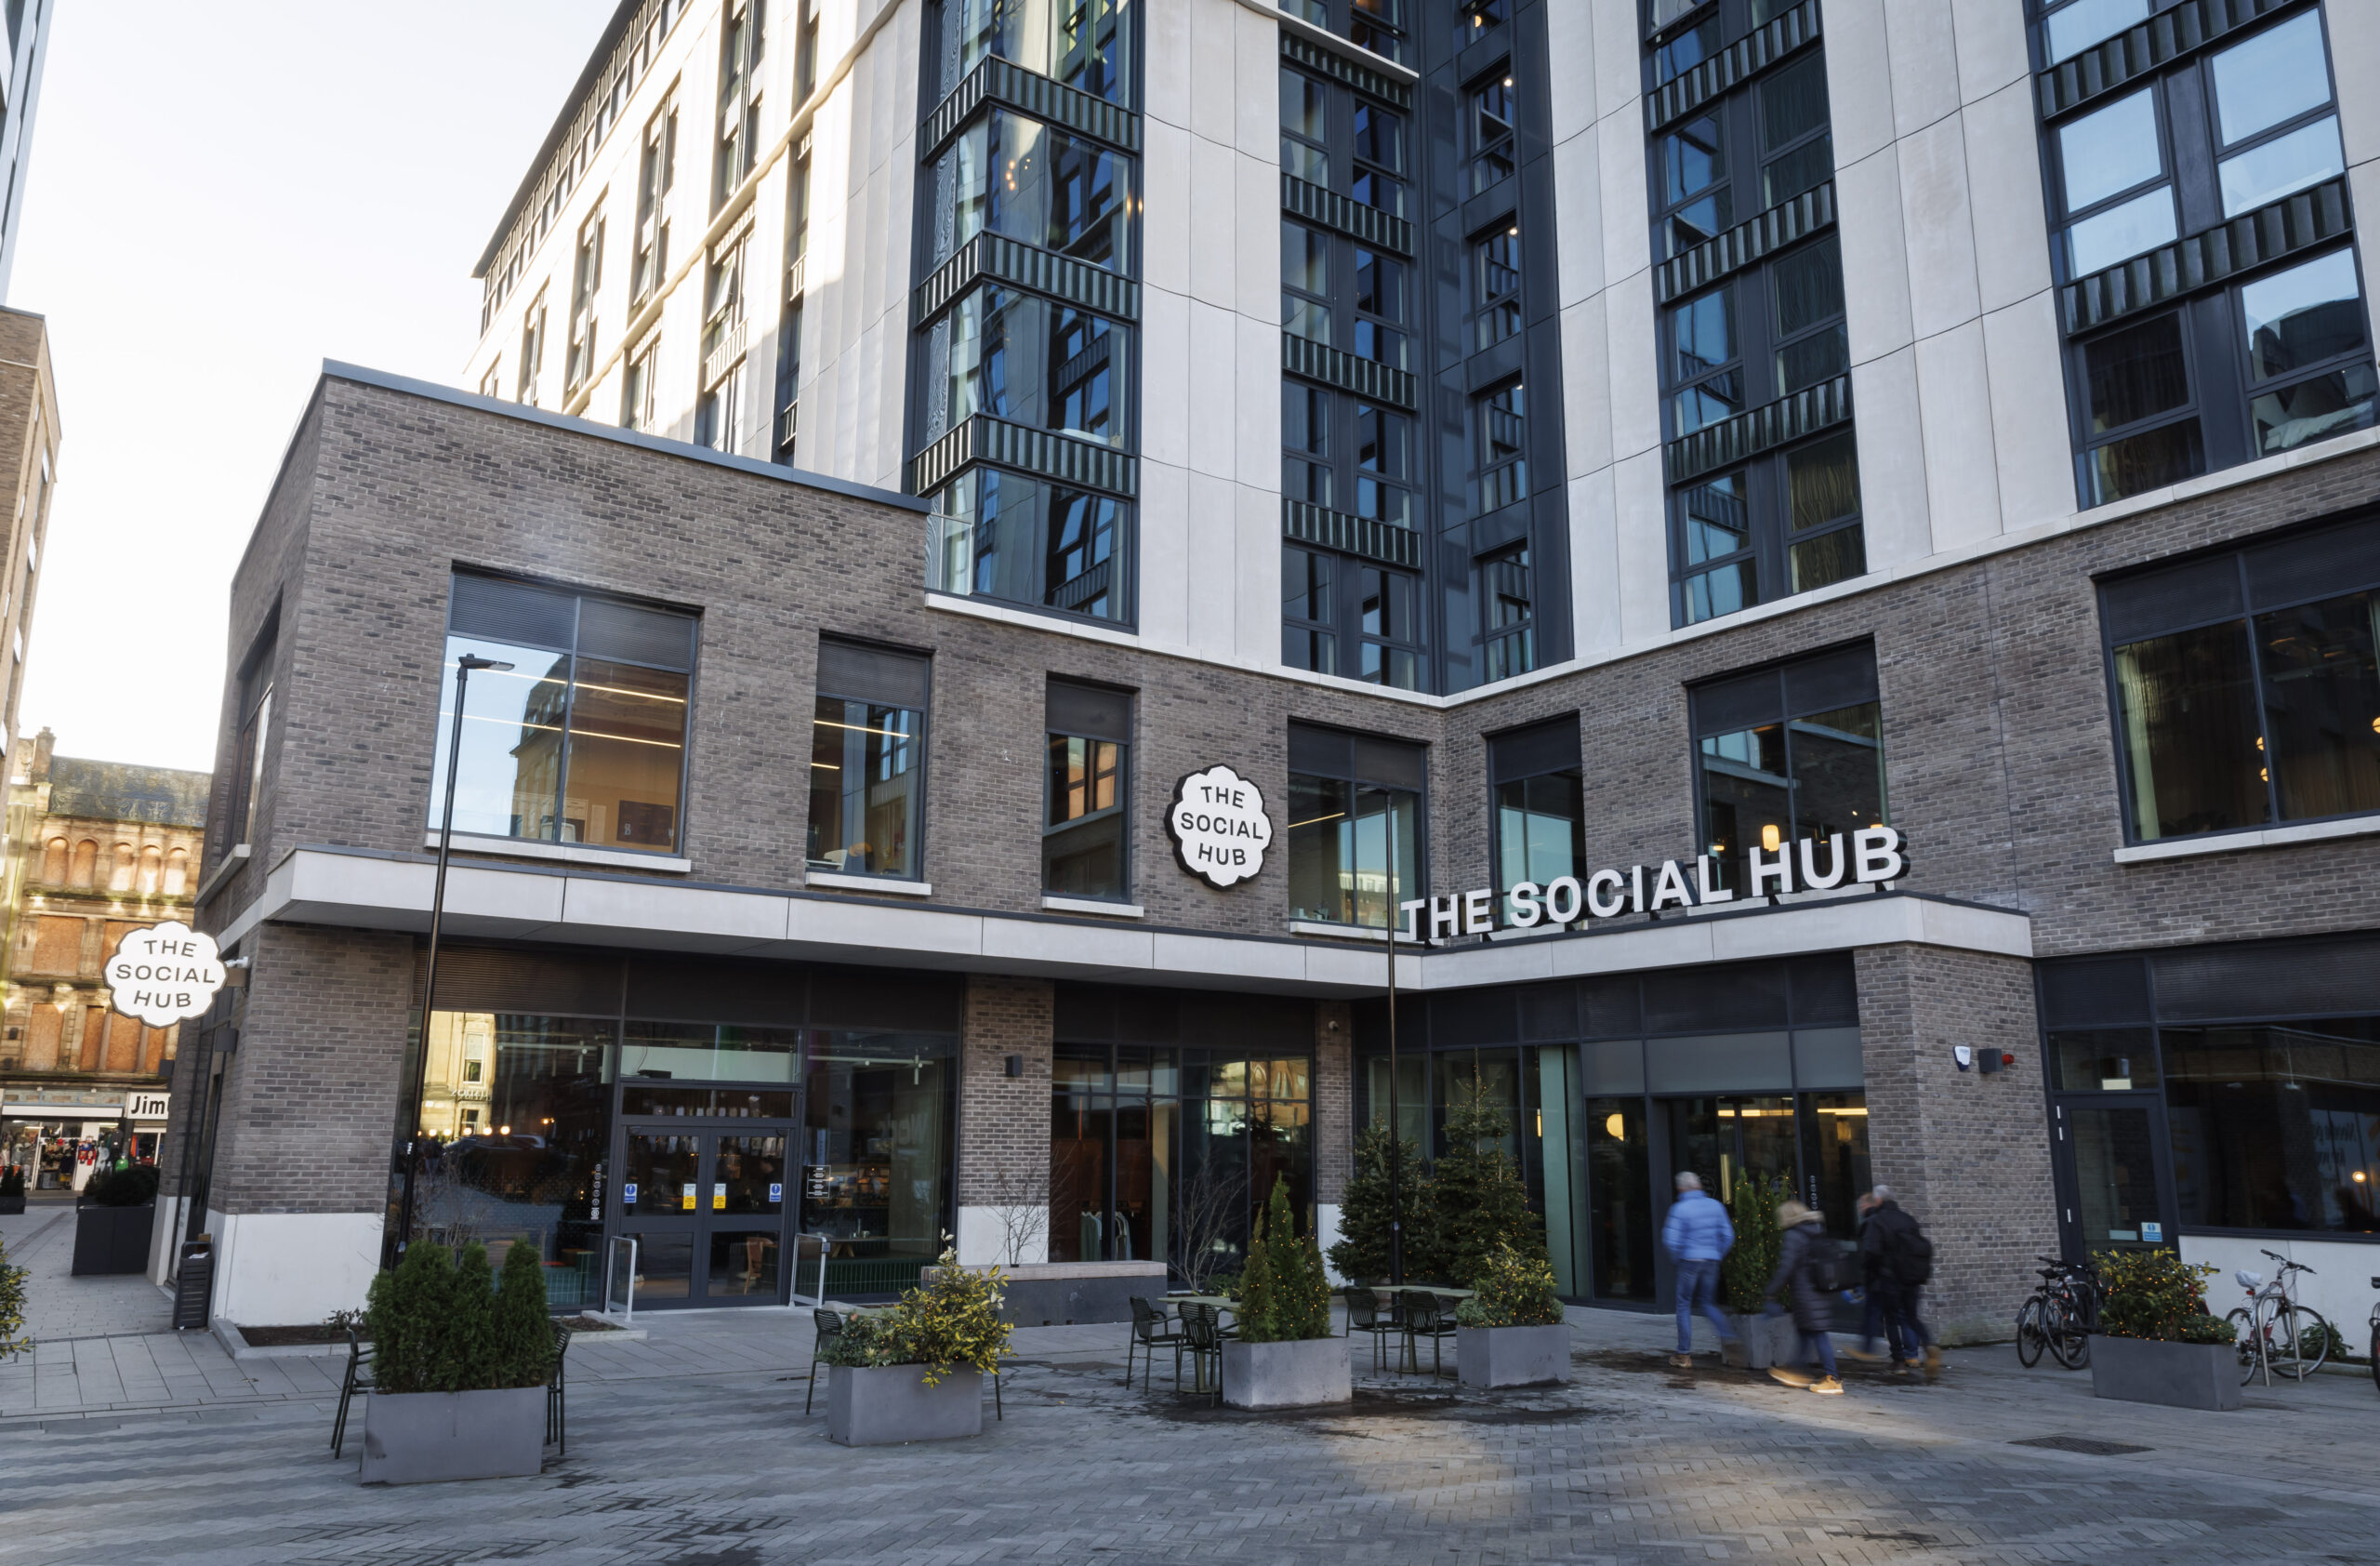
1396,1121
463,666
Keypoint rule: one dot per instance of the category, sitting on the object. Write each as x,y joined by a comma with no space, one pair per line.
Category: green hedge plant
1744,1275
1284,1295
1476,1199
1514,1290
135,1186
12,1180
1361,1253
12,1307
2155,1295
438,1323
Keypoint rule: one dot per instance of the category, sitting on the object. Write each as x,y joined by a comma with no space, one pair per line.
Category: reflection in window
2082,23
1002,535
583,739
1307,610
1491,119
1340,834
877,1134
1540,828
1507,614
1022,358
1789,754
1086,45
1082,835
1018,177
2276,1127
1388,619
866,794
516,1112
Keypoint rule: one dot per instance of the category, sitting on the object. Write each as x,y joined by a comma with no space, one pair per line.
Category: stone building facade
102,849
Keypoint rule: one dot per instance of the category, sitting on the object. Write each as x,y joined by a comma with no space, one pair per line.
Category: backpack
1909,1256
1828,1264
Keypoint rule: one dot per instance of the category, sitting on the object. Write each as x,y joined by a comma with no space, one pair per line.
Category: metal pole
1396,1121
463,666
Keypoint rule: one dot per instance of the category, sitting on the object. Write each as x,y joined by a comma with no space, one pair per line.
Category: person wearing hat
1807,1248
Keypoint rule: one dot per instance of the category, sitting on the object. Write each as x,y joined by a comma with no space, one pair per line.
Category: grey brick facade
1997,746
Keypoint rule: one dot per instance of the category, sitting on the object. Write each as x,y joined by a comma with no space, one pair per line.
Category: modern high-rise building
28,47
1820,558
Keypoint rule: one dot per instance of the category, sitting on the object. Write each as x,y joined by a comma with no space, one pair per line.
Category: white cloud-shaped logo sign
163,974
1219,827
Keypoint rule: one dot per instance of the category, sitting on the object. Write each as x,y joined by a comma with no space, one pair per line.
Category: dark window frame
1790,712
1355,775
821,692
1121,811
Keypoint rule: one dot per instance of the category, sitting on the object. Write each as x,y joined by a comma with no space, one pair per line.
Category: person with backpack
1812,1271
1698,1235
1899,1261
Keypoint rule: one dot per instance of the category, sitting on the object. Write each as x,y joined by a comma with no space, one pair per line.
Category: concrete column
1004,1121
1966,1154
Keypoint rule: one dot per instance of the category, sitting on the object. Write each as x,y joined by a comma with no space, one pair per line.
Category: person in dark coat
1895,1278
1813,1306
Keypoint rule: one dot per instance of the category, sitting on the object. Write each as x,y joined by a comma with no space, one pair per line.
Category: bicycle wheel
2070,1333
2030,1339
2244,1328
2303,1339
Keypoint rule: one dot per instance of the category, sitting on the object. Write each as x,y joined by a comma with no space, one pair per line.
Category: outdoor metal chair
830,1327
356,1380
557,1393
1202,1342
1150,1329
1423,1317
1364,1315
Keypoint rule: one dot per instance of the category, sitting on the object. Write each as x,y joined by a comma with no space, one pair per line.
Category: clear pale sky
221,196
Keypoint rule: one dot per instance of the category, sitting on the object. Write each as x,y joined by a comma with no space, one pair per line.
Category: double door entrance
709,1210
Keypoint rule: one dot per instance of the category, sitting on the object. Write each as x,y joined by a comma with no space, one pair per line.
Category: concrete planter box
12,1204
887,1405
1758,1339
113,1240
1305,1374
2135,1370
1512,1356
418,1438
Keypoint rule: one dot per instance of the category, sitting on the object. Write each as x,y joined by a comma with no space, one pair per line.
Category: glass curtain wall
1053,355
1749,149
1353,801
1786,753
1160,1154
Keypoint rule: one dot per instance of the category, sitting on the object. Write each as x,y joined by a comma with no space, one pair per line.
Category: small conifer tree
1477,1198
1365,1213
1284,1295
406,1311
1255,1292
1743,1277
522,1330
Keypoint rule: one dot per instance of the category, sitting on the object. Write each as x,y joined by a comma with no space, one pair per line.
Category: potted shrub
459,1367
1511,1333
12,1189
916,1373
1285,1355
1365,1213
1743,1277
1475,1200
12,1307
115,1219
2156,1343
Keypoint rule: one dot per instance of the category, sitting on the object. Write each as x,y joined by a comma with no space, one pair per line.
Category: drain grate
2084,1444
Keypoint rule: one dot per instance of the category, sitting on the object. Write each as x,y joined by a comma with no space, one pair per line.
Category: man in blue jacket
1698,1236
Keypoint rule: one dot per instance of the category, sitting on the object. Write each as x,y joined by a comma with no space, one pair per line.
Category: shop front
2224,1100
61,1136
1613,1084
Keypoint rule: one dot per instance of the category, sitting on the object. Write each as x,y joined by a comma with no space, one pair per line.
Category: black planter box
113,1240
9,1205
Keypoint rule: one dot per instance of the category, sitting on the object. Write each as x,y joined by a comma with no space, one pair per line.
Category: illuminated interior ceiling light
1770,838
1614,1127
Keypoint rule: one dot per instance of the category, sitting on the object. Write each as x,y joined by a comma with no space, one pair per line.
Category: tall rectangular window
2255,351
1309,609
868,763
2246,686
1763,352
656,171
1085,837
1499,428
1507,614
1496,285
1489,153
533,350
739,99
256,725
1540,807
637,387
1793,751
587,277
718,415
583,739
1085,44
1355,804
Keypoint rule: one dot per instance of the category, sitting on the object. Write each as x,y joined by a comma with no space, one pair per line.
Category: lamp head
474,662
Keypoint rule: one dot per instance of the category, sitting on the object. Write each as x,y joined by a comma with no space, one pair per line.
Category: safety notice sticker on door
627,1194
686,1197
776,1193
718,1198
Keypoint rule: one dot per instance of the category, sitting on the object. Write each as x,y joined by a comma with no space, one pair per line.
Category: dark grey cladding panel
506,980
996,81
2163,39
2095,992
2155,603
2310,217
1030,268
1551,746
1364,378
1762,429
878,674
1365,537
1302,51
1367,225
1732,66
696,989
2323,563
1093,711
607,630
516,612
985,439
1726,254
2294,978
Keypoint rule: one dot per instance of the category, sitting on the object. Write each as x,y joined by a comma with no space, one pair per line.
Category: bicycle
2375,1336
2060,1316
2274,1330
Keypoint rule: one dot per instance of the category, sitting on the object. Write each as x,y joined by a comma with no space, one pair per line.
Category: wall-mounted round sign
1219,827
163,974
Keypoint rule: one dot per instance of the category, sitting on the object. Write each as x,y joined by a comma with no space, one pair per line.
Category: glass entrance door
1723,1138
2114,1197
708,1211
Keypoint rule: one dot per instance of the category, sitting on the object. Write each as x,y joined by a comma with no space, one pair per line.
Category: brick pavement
690,1450
59,1304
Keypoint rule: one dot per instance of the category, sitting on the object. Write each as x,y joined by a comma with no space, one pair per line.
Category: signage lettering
166,974
1219,827
1872,855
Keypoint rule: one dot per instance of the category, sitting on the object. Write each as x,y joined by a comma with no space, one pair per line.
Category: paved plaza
689,1447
